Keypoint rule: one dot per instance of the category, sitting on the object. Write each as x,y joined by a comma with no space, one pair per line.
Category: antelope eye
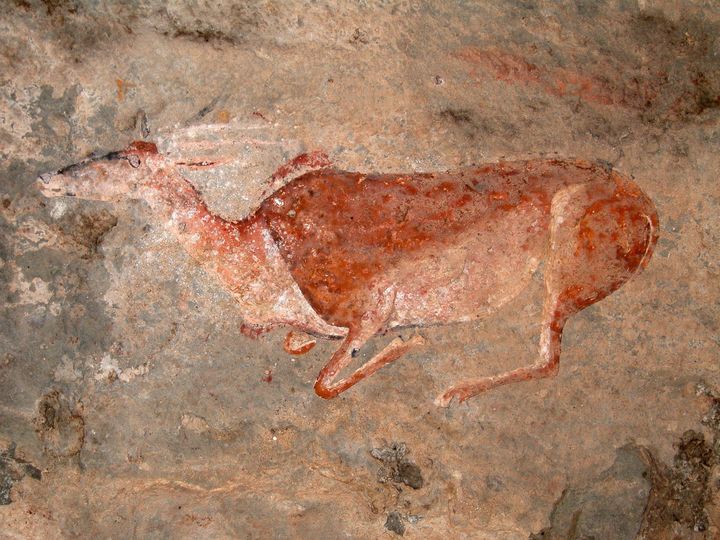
134,161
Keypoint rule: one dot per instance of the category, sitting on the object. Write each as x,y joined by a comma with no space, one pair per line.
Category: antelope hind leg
547,365
585,264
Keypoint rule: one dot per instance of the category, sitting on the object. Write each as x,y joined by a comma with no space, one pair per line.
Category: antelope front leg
359,333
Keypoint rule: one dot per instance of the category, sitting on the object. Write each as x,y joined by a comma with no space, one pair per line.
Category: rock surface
131,405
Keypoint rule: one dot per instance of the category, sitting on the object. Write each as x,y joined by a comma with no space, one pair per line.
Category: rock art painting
348,255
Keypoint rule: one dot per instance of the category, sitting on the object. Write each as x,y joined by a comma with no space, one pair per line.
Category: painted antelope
348,255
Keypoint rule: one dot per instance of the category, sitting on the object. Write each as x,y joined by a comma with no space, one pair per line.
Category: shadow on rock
13,469
641,498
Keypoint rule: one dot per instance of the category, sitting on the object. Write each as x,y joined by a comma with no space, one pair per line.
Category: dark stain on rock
206,35
22,4
59,426
359,37
237,24
681,494
207,109
677,89
396,467
706,96
51,6
494,482
461,117
12,470
88,230
588,8
463,120
410,474
204,111
394,523
642,498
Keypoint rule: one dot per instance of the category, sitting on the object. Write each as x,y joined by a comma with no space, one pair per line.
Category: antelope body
348,255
